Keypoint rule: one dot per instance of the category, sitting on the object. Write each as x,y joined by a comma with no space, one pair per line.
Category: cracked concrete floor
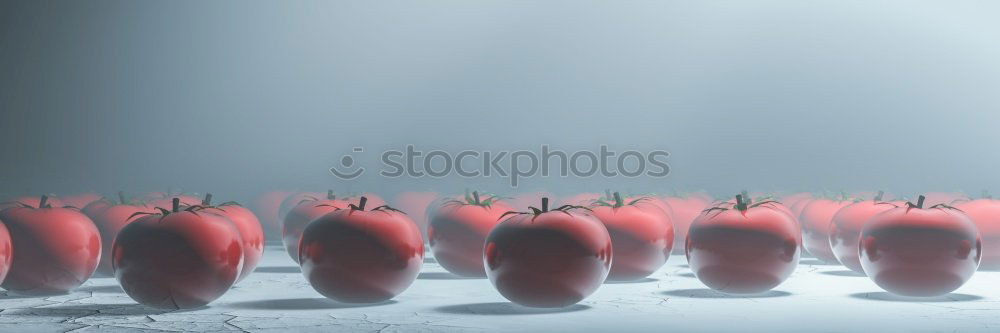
277,298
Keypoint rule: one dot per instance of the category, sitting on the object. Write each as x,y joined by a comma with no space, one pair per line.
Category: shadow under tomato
709,293
444,276
300,304
687,275
889,297
101,289
642,280
814,262
278,269
505,309
846,273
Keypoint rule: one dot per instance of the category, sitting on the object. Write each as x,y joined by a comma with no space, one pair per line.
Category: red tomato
301,215
415,204
815,219
266,207
985,213
458,230
358,256
685,210
641,234
548,258
55,249
80,200
743,249
247,224
178,259
846,226
913,251
6,252
294,200
109,218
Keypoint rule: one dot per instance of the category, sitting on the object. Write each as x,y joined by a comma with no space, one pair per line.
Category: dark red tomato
177,259
301,215
80,200
685,210
641,234
248,226
816,220
912,251
846,227
266,207
109,218
985,213
415,204
6,251
55,249
458,230
548,258
746,248
355,255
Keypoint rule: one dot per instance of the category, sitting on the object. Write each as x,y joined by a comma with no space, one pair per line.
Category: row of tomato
180,251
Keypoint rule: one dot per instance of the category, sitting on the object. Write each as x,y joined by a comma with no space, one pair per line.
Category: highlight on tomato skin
548,258
920,252
743,247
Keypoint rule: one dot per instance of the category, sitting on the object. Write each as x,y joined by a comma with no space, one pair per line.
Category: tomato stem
176,205
878,197
741,203
618,200
545,204
44,201
362,202
475,197
121,197
920,202
329,195
208,199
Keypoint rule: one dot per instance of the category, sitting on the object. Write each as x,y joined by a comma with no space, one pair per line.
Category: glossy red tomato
247,224
846,225
415,204
301,215
685,210
355,255
458,230
178,259
815,220
548,258
109,218
745,248
266,206
985,213
6,252
641,234
55,249
913,251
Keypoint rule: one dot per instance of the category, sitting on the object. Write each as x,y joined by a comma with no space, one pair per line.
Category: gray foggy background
239,97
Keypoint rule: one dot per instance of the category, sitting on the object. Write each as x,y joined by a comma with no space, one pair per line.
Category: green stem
121,197
208,200
176,205
361,204
878,197
329,195
545,205
920,202
44,201
475,197
741,202
618,200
